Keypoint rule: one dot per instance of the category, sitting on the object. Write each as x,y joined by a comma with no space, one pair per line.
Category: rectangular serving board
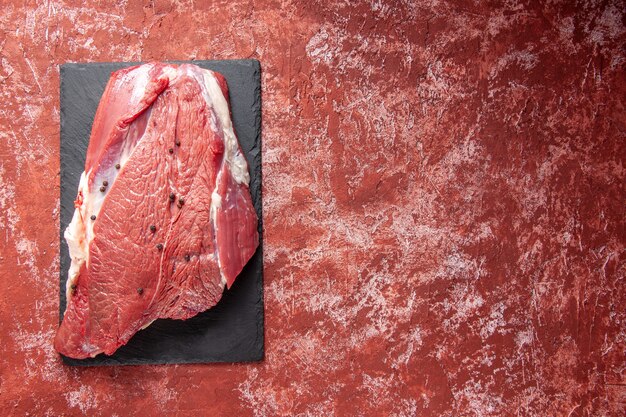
232,331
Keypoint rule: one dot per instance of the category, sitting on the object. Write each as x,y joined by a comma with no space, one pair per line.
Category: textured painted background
444,206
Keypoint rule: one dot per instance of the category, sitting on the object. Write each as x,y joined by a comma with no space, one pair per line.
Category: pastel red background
443,205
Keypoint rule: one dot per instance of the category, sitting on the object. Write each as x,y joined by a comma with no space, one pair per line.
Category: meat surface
164,218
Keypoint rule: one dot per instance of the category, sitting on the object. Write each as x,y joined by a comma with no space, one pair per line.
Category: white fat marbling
76,236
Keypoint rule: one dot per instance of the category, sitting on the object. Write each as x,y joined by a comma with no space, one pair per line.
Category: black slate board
232,331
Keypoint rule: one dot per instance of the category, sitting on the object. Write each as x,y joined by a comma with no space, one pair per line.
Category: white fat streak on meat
141,81
76,236
232,155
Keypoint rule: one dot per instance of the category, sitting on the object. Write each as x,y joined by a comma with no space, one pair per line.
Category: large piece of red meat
164,218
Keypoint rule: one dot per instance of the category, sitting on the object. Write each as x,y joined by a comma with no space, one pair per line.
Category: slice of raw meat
164,218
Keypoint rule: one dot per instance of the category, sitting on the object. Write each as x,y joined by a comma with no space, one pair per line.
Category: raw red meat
164,218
